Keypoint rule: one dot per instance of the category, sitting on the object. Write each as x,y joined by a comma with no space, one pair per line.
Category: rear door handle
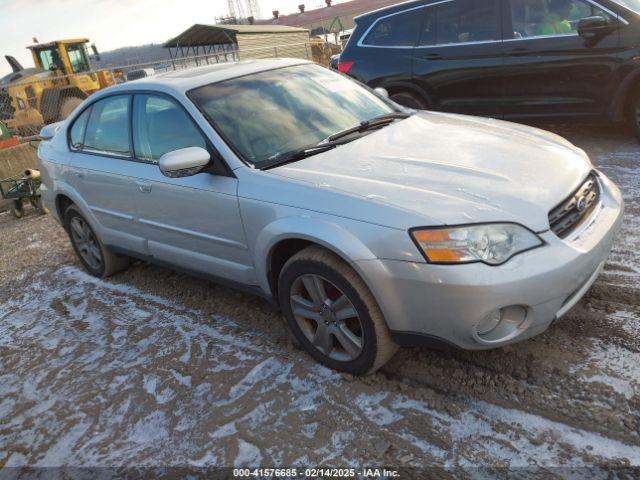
144,187
79,174
517,52
432,56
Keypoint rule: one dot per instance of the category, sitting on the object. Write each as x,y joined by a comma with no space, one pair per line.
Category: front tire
332,313
94,256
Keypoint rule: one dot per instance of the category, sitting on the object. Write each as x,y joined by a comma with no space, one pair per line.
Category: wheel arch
282,239
395,87
621,101
65,195
62,202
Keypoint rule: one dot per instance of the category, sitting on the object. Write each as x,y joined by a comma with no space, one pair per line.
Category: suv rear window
396,30
461,21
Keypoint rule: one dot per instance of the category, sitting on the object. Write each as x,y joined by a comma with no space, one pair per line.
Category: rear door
459,57
101,170
549,69
192,222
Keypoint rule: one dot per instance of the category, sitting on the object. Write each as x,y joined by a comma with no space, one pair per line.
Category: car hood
453,169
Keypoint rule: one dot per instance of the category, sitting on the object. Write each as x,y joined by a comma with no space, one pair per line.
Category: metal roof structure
200,35
327,14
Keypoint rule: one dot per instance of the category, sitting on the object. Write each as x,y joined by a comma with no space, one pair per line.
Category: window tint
400,30
108,127
160,126
534,18
461,21
76,135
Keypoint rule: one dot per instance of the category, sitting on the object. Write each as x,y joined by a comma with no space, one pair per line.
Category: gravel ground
153,367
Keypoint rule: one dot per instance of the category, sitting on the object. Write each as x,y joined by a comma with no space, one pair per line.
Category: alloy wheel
326,317
86,243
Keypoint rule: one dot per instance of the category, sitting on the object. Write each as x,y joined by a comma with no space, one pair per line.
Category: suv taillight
344,67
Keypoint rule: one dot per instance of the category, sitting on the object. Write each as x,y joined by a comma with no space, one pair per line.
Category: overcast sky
110,23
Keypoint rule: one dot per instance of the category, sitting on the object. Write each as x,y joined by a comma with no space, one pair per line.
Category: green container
4,132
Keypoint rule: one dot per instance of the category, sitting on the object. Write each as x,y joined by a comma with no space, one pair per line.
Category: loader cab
68,56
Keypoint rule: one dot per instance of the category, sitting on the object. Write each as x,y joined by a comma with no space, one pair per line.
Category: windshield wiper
295,155
375,122
331,142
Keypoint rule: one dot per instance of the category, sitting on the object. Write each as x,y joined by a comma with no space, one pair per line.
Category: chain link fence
26,105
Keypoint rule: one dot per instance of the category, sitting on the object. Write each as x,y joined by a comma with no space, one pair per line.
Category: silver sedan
370,225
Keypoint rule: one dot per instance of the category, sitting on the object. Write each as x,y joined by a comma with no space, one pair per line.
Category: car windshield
630,4
268,114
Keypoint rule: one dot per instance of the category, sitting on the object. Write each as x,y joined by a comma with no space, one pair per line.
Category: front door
458,60
191,222
549,69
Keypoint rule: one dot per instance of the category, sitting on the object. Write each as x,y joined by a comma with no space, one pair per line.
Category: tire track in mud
104,374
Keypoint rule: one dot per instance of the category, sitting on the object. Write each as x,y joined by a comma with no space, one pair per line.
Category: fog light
502,325
489,323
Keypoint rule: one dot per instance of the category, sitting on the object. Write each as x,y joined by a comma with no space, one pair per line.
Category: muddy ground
154,367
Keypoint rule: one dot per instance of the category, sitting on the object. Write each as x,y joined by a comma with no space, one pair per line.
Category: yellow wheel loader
61,79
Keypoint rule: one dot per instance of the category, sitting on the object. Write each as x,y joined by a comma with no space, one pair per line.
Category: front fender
330,235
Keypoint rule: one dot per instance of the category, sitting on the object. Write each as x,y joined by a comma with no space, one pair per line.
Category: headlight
492,243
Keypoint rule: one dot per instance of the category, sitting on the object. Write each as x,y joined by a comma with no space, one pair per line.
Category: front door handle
144,187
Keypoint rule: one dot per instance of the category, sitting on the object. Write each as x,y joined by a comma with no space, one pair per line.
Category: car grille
567,216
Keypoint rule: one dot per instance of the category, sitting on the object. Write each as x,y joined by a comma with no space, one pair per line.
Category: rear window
396,30
461,21
76,134
108,127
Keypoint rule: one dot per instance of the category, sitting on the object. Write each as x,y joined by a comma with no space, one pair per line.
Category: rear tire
633,115
410,100
336,319
68,106
94,256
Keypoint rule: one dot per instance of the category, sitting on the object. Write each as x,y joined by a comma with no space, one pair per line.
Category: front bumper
447,302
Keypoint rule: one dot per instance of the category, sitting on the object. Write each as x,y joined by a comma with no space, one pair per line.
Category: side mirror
382,92
49,131
590,28
184,162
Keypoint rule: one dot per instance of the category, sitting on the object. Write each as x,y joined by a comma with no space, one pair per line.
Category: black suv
504,58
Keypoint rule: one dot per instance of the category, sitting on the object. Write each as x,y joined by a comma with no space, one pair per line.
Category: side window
108,127
160,126
536,18
78,129
398,30
462,21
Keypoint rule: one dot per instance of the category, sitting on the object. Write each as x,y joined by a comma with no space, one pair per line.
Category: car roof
187,79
